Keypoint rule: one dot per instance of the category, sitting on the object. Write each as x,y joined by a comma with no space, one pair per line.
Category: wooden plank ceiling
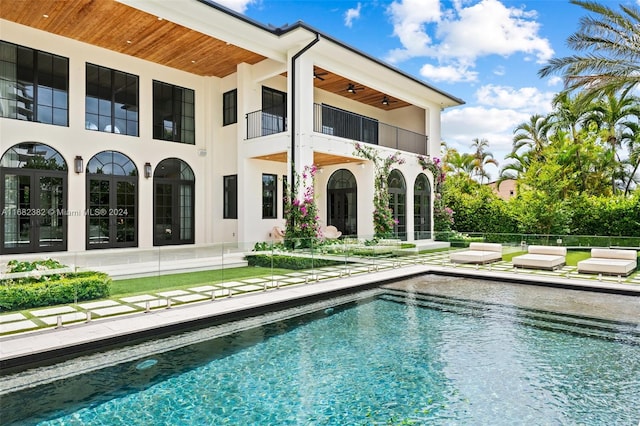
320,159
123,29
339,85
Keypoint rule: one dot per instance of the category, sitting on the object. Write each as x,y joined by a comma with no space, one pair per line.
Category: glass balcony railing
336,122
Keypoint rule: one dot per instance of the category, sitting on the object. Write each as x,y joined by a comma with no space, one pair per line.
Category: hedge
70,289
288,262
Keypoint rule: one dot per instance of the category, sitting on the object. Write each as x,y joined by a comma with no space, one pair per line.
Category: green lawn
132,286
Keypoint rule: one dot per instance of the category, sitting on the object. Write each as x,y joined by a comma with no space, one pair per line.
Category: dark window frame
112,91
230,197
30,89
269,196
230,107
181,100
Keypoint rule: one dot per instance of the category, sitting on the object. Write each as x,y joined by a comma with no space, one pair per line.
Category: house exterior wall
223,150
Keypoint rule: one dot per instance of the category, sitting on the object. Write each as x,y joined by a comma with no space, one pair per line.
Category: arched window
34,200
398,203
112,201
173,203
422,208
342,195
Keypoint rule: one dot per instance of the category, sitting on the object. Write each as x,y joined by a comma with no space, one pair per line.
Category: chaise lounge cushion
478,253
610,262
541,257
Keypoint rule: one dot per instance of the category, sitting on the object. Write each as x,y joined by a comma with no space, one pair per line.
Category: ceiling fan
351,88
386,101
319,75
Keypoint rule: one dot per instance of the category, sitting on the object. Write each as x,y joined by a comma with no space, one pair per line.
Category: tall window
34,85
230,107
173,203
111,103
230,202
173,113
112,201
269,196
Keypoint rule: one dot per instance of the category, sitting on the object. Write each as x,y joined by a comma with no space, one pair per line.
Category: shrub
288,262
69,289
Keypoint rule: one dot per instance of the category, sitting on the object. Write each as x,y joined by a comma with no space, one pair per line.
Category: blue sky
487,52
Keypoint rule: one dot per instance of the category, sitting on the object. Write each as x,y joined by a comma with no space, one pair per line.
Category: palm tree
611,61
458,164
515,168
617,118
532,135
632,140
481,158
568,115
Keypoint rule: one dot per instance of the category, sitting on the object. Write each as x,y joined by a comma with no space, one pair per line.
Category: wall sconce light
77,164
147,170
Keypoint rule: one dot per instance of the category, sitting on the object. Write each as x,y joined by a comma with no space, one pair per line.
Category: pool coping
19,352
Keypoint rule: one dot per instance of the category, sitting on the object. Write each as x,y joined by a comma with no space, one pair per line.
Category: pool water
396,358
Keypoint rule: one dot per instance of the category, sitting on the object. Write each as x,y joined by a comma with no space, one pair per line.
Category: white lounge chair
541,257
478,253
610,262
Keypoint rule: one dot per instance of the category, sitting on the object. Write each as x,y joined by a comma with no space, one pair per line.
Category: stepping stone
156,303
53,311
17,326
11,317
120,309
190,298
294,280
101,304
230,284
202,289
74,316
141,298
173,293
254,280
249,287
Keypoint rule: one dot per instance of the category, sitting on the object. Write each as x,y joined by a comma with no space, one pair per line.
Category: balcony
336,122
266,122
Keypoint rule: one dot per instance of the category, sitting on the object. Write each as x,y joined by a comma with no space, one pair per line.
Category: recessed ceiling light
193,62
45,16
160,18
128,41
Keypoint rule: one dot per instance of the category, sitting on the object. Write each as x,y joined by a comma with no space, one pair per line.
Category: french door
33,211
111,211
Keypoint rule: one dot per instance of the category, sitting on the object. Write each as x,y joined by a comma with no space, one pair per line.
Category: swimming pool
383,357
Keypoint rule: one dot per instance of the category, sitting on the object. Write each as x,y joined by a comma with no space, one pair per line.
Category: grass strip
133,286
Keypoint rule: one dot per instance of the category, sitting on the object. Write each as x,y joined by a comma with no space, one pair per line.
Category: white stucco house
142,123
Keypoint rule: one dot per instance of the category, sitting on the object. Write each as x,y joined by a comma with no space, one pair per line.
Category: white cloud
529,99
457,37
487,28
237,5
352,14
556,80
449,74
463,124
409,18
